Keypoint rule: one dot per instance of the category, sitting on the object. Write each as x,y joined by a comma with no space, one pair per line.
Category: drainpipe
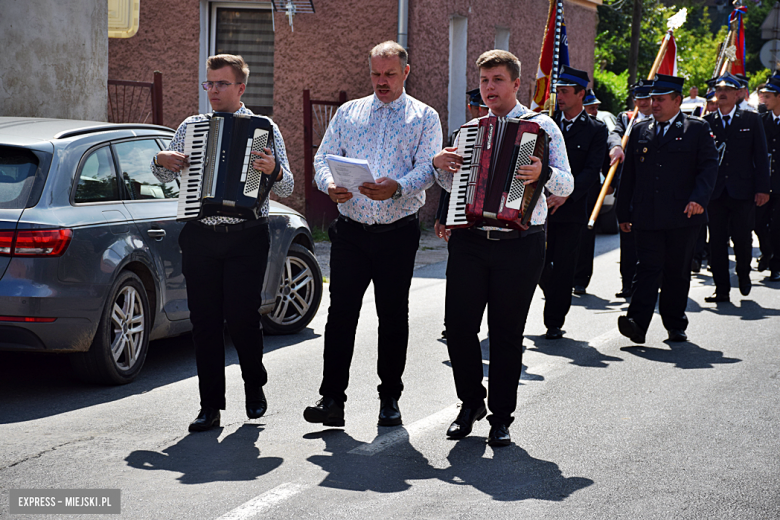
403,23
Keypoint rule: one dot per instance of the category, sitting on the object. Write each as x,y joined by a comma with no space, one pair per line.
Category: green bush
611,89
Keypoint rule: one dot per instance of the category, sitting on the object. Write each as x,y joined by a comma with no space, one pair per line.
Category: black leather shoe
554,333
744,285
389,413
579,290
256,404
717,298
695,266
207,419
327,411
465,421
629,328
499,435
774,276
677,335
624,293
763,262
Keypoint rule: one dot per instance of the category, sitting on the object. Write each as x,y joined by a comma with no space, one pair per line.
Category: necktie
777,121
662,128
726,121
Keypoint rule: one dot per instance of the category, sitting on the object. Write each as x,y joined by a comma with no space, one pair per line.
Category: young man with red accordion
497,268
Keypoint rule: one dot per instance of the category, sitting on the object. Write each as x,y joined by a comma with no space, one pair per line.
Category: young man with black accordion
224,258
496,268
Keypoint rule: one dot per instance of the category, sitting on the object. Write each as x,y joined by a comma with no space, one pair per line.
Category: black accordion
220,179
485,191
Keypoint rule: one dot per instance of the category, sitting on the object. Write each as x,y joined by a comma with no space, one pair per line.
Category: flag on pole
669,64
738,66
544,70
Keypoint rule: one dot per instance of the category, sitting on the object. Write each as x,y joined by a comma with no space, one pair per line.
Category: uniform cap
571,77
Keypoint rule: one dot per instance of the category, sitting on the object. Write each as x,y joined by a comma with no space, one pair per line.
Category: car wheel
607,223
119,348
299,293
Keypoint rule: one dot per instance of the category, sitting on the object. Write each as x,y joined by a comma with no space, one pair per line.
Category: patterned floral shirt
561,181
283,187
398,139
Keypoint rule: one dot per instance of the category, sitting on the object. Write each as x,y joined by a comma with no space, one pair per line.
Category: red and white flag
669,64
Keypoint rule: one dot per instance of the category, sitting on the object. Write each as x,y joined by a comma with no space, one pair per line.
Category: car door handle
157,234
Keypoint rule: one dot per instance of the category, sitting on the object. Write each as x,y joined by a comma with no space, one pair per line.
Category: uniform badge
678,124
644,150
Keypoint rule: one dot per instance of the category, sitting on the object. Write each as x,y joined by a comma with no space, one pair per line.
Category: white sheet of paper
349,173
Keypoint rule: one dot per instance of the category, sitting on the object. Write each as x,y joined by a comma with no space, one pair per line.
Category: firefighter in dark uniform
586,144
743,184
669,172
641,91
768,215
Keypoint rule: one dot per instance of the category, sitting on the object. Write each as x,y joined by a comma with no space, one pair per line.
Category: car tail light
26,319
6,242
48,242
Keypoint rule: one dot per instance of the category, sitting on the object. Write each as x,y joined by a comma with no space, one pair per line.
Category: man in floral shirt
224,259
376,236
495,268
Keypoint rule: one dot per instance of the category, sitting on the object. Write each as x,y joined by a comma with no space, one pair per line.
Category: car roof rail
109,127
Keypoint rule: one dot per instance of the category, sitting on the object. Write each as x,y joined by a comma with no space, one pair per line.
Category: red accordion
485,191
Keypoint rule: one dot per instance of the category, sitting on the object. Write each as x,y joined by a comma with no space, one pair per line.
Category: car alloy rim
127,323
295,293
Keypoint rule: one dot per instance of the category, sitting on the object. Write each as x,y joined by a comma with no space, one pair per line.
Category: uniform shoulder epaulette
696,118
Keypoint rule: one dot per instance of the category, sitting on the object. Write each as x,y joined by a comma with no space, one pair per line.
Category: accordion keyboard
195,141
456,211
516,186
251,177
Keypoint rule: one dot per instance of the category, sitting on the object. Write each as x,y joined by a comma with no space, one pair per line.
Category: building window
456,107
502,38
249,32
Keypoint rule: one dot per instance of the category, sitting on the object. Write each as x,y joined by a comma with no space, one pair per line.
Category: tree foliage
697,41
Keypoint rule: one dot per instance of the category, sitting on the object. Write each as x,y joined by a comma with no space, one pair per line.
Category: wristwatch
155,160
398,192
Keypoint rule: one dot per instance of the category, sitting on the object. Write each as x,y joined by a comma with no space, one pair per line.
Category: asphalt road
603,429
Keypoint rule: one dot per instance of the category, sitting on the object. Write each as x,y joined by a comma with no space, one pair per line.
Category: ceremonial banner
669,64
736,21
544,70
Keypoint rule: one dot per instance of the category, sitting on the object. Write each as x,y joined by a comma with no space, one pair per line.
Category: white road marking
405,432
262,503
607,337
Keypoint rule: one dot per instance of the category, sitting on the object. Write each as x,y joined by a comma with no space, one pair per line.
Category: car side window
134,159
97,179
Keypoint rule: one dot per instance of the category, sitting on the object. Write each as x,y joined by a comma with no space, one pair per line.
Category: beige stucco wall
54,63
327,52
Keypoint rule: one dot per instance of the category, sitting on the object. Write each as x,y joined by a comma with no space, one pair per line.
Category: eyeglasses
218,85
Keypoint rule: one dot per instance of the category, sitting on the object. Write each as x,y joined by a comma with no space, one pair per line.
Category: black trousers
501,275
627,260
768,230
357,258
664,262
585,253
560,265
224,273
734,218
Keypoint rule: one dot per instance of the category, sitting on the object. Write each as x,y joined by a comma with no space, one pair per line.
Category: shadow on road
580,353
682,355
201,458
522,477
35,385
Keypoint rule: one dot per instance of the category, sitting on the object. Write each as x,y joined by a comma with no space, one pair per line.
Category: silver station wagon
89,256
